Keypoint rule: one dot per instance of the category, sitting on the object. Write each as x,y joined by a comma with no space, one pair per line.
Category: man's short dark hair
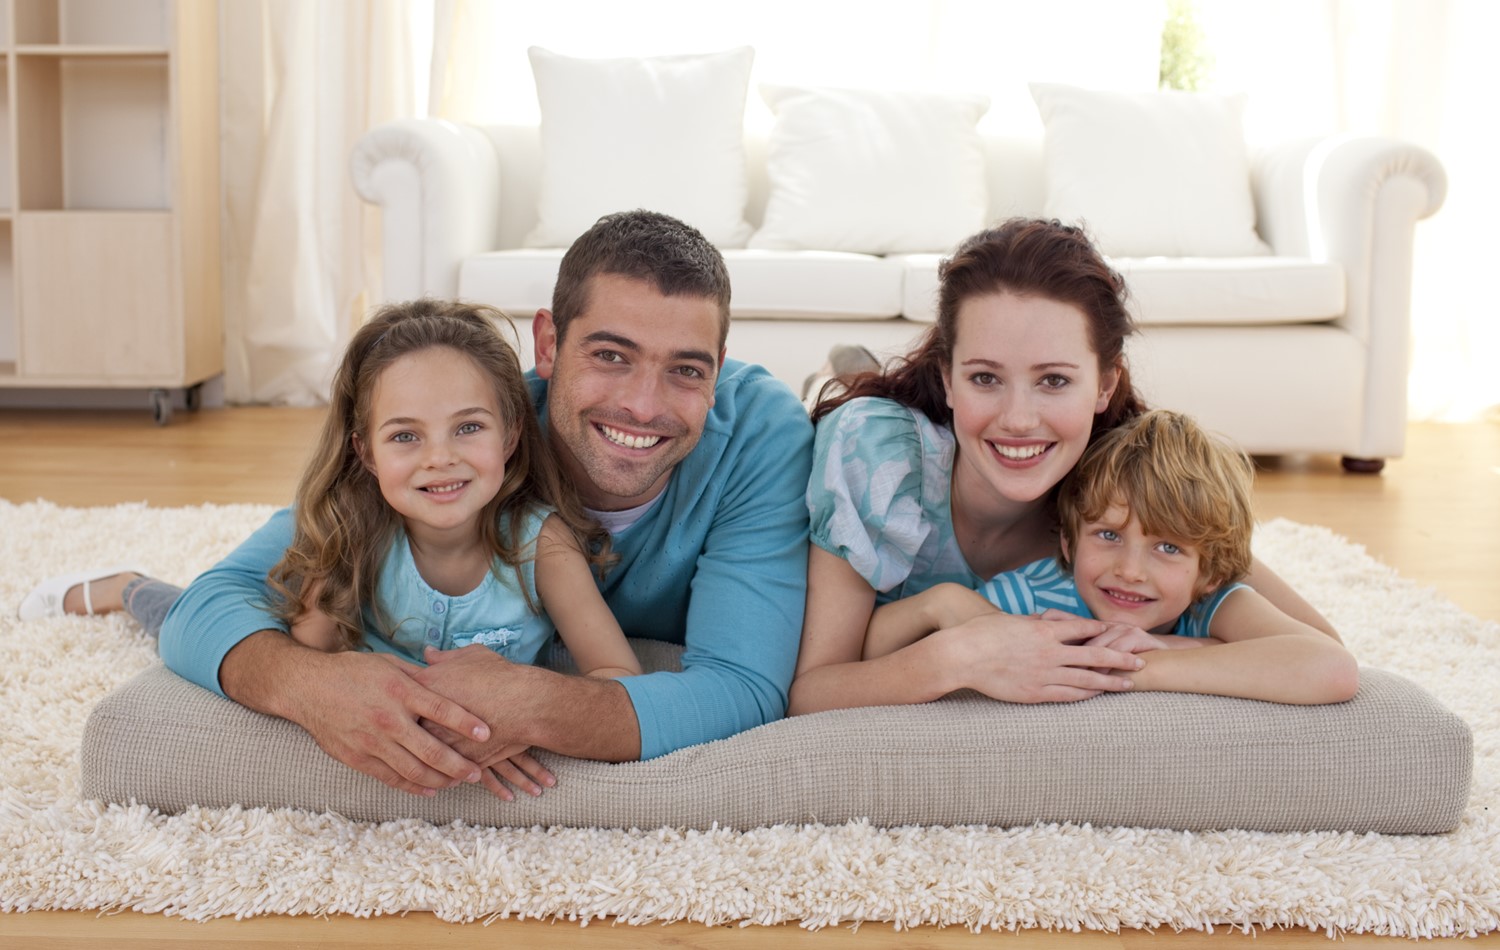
675,257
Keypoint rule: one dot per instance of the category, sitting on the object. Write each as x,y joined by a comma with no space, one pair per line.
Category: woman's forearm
918,673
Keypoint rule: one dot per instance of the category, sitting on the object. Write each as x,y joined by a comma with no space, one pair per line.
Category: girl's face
1024,387
437,444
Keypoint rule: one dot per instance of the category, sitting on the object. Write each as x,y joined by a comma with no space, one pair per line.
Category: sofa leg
1362,466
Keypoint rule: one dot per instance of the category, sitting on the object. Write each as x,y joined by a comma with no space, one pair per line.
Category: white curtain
1424,71
303,80
300,82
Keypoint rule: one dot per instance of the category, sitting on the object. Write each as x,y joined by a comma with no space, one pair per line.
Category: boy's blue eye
1170,548
1108,535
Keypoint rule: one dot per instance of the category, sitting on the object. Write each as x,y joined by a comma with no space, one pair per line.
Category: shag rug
60,852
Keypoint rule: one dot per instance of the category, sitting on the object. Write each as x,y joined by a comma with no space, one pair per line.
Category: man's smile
625,439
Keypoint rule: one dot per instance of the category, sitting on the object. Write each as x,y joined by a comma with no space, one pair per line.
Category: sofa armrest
438,187
1356,201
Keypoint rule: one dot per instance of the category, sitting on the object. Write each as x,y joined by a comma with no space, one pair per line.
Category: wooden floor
1434,515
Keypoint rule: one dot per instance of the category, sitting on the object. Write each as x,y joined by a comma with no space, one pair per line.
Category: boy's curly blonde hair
1177,480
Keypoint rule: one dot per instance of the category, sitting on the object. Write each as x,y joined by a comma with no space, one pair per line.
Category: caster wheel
161,406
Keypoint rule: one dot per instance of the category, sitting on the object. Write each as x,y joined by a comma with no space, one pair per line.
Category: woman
943,468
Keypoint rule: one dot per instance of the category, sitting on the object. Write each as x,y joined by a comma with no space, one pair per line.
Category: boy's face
1128,576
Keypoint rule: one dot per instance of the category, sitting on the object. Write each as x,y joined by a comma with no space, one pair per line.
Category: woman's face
1024,387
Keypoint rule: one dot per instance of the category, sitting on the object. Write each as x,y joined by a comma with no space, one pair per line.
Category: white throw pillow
872,172
1150,173
665,133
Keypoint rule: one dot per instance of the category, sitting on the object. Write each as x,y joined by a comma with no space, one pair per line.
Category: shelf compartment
94,132
128,260
119,23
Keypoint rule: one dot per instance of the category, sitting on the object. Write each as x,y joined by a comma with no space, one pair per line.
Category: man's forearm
524,705
262,671
576,716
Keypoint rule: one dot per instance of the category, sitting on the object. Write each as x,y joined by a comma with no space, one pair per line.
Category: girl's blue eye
469,427
403,437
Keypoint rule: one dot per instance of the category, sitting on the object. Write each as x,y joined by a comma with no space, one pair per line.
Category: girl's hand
520,770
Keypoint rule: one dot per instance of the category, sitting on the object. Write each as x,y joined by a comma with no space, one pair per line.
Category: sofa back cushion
872,171
1013,178
664,133
1151,173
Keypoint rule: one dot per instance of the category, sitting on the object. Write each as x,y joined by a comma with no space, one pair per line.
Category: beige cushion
1392,760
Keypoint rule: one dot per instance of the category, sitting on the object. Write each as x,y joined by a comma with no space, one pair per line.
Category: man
697,467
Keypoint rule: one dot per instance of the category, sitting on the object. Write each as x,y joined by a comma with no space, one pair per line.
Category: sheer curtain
299,83
1420,70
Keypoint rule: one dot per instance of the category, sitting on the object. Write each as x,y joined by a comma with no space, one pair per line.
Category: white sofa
1301,351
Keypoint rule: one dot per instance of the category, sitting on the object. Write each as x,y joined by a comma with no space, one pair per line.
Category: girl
432,514
944,467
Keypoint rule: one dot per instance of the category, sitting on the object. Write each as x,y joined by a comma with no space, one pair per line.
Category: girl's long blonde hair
344,527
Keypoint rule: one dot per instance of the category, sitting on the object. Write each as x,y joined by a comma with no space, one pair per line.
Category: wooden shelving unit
109,196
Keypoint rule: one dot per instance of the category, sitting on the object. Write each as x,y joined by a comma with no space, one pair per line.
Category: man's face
629,387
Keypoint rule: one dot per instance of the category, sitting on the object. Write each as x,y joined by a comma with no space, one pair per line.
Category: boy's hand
1125,638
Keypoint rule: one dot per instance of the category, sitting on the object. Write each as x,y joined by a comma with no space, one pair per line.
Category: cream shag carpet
59,852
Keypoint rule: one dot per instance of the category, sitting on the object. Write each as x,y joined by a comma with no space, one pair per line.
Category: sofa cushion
1187,291
872,171
1392,760
823,285
1232,290
1150,173
519,282
664,133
